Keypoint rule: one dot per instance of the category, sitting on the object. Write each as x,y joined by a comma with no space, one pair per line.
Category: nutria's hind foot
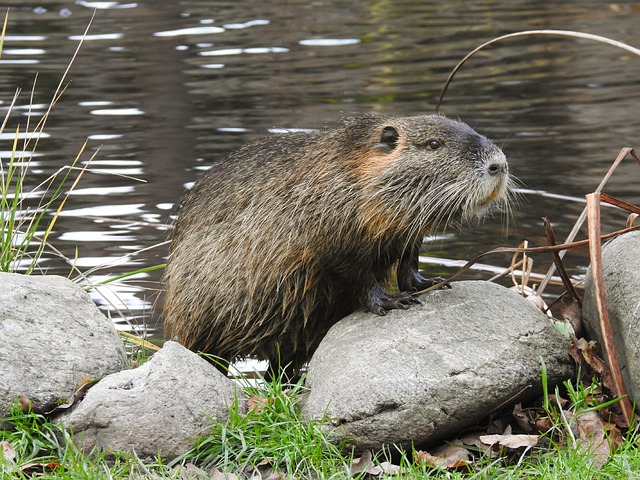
378,301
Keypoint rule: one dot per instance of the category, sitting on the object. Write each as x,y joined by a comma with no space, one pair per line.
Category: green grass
273,438
271,435
24,228
36,447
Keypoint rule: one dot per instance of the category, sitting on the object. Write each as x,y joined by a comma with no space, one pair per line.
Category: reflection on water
161,89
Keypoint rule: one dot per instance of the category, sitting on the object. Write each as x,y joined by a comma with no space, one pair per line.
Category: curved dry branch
525,33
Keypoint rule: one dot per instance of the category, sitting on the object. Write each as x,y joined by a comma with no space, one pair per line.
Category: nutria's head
427,172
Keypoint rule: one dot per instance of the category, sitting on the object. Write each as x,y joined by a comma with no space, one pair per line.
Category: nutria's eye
389,137
434,144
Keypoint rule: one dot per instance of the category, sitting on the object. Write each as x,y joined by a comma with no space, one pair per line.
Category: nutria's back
293,232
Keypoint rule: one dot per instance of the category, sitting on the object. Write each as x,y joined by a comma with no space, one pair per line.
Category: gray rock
621,273
157,408
52,335
423,374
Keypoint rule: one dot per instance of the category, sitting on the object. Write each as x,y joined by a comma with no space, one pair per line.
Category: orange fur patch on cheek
372,163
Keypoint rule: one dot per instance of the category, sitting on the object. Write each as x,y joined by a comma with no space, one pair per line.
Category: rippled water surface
161,89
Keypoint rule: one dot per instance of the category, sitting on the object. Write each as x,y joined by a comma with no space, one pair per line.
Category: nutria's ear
389,137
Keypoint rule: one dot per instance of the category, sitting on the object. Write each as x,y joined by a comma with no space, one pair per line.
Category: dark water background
161,89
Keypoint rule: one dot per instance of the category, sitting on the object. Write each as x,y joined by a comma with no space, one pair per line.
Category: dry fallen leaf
497,424
614,435
592,438
473,439
83,381
390,468
521,417
191,472
256,404
365,464
264,469
276,476
589,352
454,454
571,312
559,401
82,387
449,457
425,457
8,452
26,405
510,441
38,468
543,424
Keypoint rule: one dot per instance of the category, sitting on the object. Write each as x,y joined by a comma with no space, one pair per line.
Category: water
161,89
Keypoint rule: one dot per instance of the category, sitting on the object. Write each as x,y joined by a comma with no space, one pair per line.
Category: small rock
621,274
52,335
425,373
158,408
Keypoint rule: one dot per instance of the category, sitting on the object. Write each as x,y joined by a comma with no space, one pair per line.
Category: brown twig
527,33
551,248
608,346
629,207
574,231
557,260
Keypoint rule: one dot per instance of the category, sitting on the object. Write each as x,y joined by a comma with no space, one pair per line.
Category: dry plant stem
551,248
609,349
64,200
527,33
508,271
557,261
527,266
574,231
531,276
629,207
139,341
9,110
4,31
526,390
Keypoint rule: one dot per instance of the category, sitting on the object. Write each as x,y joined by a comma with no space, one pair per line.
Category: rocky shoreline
418,375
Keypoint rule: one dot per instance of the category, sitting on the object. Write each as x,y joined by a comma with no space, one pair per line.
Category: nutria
288,235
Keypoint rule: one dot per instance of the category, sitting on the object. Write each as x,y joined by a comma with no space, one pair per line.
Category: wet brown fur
291,233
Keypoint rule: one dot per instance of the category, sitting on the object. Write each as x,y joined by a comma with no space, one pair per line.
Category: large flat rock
422,374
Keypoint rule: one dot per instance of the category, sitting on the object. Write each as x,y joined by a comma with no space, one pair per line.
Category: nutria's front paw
410,280
378,301
424,283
